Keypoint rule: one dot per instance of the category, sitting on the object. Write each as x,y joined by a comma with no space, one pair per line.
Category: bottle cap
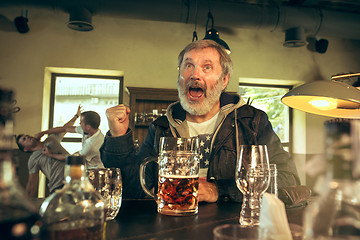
75,160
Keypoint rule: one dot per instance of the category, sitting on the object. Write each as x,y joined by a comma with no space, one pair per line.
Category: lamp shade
213,34
326,98
80,19
295,37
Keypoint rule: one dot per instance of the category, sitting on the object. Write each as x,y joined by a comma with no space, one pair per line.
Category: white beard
212,96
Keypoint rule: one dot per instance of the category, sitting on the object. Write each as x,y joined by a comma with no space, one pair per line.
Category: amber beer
61,231
178,195
178,182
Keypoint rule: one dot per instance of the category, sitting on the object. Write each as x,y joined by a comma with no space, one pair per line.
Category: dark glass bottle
76,211
19,218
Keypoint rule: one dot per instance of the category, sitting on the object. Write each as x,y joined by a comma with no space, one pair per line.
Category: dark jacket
238,124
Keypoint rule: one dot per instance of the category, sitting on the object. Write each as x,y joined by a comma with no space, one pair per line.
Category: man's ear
225,81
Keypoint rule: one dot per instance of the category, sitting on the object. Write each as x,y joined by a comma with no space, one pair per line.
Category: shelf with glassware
146,105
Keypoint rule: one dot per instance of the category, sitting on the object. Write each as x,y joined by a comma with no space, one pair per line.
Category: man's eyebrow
205,61
187,60
208,61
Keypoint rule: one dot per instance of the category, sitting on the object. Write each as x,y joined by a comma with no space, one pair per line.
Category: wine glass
252,179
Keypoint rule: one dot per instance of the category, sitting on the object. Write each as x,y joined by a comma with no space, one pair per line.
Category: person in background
221,120
92,138
52,168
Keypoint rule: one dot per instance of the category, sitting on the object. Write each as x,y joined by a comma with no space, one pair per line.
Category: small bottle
19,218
335,214
76,211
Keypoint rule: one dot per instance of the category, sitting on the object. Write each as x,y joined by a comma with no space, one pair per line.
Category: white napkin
273,217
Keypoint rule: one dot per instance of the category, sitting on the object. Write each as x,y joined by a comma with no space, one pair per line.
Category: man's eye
188,65
208,67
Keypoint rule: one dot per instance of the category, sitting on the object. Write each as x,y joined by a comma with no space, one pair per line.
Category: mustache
196,84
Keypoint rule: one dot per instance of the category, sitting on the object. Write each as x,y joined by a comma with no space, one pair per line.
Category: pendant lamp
213,34
326,98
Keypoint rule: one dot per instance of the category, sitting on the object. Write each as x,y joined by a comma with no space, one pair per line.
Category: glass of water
108,183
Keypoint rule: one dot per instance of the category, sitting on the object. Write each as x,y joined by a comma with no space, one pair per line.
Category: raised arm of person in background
67,127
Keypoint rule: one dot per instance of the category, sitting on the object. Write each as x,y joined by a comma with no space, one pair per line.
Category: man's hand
39,135
46,151
118,119
79,110
208,191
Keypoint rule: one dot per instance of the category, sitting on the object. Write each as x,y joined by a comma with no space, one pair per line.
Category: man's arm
32,184
118,120
118,151
67,127
60,157
287,172
56,130
71,122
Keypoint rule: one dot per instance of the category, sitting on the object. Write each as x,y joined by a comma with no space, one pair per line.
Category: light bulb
324,103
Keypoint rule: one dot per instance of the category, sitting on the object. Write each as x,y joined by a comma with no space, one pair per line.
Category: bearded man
223,121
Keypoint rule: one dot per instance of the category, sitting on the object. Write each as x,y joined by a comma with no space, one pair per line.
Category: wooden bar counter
138,219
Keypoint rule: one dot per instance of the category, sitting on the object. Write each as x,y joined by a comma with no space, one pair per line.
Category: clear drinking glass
273,188
252,178
107,182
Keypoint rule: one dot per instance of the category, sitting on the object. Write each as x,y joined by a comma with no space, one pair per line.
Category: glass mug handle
142,174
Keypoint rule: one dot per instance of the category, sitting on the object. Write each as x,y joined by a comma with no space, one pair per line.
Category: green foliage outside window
268,99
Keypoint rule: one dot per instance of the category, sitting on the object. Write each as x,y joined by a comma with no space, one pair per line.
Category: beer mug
178,178
107,182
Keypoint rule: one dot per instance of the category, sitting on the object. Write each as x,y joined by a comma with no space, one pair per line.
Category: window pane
72,147
94,94
268,100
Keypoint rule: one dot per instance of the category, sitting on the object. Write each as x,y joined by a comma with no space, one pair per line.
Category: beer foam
177,176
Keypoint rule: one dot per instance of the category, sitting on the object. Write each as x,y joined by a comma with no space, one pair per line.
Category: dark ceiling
325,18
335,5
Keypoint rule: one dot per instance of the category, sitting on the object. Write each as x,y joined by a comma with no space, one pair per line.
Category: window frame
54,76
289,87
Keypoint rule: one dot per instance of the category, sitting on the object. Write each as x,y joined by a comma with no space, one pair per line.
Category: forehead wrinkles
202,56
200,61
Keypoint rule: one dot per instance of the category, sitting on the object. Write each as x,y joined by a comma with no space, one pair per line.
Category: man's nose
196,73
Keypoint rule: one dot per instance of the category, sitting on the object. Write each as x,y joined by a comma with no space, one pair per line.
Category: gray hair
225,60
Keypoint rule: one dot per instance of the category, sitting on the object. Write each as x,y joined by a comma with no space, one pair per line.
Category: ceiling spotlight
295,37
213,34
21,23
321,45
80,19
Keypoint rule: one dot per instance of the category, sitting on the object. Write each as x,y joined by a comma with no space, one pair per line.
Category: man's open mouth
196,92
